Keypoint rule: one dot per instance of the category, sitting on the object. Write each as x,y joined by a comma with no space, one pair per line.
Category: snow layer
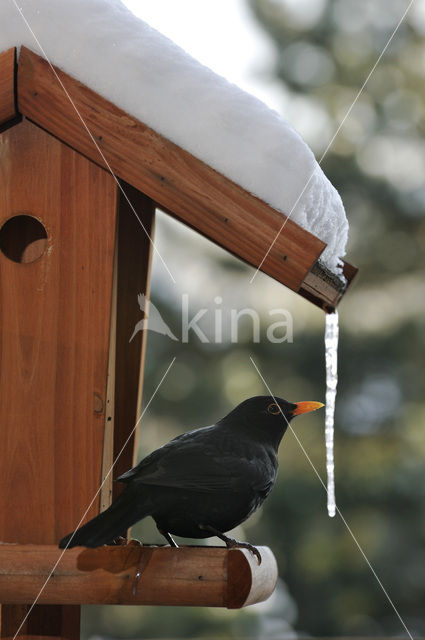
102,44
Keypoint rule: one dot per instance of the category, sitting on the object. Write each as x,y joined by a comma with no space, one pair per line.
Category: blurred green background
324,52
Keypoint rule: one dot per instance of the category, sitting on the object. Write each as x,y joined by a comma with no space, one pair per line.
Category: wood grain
325,289
7,86
132,264
54,330
106,490
133,278
45,622
180,183
247,581
187,576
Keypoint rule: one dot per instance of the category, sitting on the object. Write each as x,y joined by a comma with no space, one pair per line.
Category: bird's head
268,416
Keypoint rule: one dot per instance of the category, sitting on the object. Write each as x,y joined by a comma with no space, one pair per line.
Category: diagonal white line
333,137
94,497
83,122
337,509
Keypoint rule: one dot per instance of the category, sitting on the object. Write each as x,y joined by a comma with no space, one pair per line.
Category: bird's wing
200,465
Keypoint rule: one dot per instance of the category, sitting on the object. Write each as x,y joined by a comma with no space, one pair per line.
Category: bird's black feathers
214,476
201,460
108,525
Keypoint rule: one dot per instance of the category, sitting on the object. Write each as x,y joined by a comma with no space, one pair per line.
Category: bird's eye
273,408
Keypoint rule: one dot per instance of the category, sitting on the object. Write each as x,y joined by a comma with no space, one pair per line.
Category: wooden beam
47,622
133,278
187,576
106,487
8,109
180,183
54,328
324,288
132,264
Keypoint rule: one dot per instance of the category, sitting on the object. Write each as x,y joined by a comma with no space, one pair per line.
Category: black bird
204,482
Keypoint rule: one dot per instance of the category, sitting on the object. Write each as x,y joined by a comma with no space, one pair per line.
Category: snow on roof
105,46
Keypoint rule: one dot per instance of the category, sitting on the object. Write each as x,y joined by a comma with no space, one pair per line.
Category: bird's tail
108,525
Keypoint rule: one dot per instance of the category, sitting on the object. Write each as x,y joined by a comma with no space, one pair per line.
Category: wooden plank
54,329
324,288
133,257
109,425
134,265
45,621
187,576
180,183
8,110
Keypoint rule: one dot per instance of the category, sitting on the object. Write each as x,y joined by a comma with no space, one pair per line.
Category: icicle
331,356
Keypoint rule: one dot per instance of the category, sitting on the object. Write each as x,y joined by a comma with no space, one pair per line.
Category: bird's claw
119,541
124,542
231,543
235,544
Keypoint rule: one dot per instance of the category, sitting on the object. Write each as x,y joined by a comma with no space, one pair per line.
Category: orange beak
305,407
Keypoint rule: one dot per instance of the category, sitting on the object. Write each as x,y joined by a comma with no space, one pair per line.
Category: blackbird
203,482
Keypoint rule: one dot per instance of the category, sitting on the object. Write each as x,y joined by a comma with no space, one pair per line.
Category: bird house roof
211,155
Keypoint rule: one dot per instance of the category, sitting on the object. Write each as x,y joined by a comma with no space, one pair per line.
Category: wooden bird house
79,183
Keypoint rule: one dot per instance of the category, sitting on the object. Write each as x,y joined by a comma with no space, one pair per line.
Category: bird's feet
231,543
121,541
235,544
168,538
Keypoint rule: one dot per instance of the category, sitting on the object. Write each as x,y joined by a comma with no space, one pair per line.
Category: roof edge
179,183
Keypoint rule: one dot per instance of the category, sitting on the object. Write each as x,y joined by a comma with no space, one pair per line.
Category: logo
156,323
221,325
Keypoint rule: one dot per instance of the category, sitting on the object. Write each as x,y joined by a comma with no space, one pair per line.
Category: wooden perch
8,108
187,576
179,183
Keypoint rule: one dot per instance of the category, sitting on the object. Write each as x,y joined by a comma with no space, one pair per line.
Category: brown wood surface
52,622
133,278
109,413
197,576
132,263
172,177
54,331
7,86
325,291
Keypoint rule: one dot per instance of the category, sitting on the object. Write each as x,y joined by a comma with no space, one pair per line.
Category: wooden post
56,266
133,256
135,232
